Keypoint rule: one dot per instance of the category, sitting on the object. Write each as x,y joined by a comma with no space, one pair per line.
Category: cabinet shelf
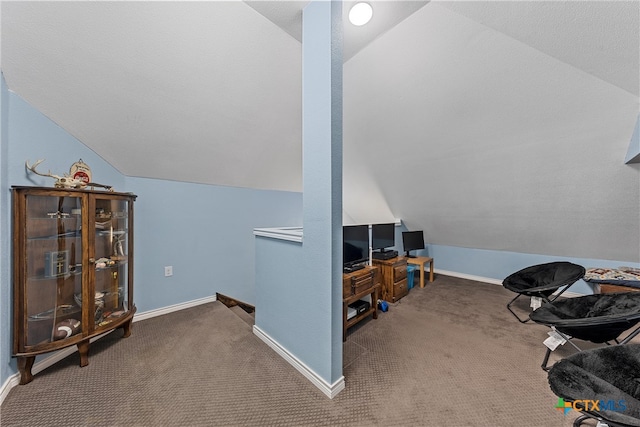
67,218
358,317
66,276
61,311
68,235
55,263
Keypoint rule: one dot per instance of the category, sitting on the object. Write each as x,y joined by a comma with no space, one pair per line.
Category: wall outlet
168,271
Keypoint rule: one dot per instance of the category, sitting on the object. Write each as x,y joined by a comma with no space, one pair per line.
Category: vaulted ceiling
465,113
204,92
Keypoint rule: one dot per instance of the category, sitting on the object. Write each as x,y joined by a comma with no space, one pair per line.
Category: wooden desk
356,285
420,261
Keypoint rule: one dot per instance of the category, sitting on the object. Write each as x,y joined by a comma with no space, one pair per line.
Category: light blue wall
494,266
497,265
284,311
5,220
322,175
205,232
300,302
33,136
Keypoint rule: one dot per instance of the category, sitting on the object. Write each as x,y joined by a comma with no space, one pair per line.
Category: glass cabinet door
53,268
110,260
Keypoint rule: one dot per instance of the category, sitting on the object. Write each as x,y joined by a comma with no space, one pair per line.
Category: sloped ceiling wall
486,142
496,125
204,92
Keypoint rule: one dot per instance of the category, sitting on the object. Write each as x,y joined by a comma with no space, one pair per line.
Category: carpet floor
449,354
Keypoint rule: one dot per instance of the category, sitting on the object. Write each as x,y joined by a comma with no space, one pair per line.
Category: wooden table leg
24,366
422,275
374,301
431,270
83,349
126,328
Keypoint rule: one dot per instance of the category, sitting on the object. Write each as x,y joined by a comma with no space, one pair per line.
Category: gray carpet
446,355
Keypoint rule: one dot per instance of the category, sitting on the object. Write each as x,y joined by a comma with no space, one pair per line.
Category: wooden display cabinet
394,278
72,270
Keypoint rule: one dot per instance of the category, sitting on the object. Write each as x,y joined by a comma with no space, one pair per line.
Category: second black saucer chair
597,318
609,376
541,281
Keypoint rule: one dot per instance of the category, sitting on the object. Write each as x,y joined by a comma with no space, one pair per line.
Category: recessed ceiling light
360,14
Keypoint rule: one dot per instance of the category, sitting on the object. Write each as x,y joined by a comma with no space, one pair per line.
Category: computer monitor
383,236
411,241
355,240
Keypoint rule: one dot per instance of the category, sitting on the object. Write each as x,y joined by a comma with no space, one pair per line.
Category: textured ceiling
190,91
205,91
598,37
445,103
485,141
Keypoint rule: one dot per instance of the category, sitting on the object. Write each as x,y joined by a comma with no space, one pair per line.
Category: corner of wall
5,219
633,153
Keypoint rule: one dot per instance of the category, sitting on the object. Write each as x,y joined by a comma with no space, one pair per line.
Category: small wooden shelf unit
355,286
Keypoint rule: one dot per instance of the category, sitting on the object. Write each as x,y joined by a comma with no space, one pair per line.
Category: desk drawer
362,283
399,272
357,282
400,289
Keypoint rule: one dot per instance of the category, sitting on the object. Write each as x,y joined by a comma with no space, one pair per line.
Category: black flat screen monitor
411,241
355,240
383,236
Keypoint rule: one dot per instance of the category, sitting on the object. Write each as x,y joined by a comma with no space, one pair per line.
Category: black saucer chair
598,318
542,281
609,376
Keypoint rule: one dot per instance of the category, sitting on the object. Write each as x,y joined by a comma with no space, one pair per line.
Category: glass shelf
67,235
66,276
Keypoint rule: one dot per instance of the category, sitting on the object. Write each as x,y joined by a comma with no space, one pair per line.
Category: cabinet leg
126,329
344,321
83,349
374,303
24,366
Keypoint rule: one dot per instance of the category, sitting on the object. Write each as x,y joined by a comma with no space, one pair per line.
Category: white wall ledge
292,234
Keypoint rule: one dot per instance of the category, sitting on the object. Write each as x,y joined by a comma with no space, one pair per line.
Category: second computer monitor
383,236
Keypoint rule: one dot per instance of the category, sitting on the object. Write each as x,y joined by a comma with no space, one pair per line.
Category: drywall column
322,175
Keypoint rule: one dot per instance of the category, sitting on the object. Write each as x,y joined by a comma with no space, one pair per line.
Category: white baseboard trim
567,294
171,308
468,276
10,383
330,390
57,356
